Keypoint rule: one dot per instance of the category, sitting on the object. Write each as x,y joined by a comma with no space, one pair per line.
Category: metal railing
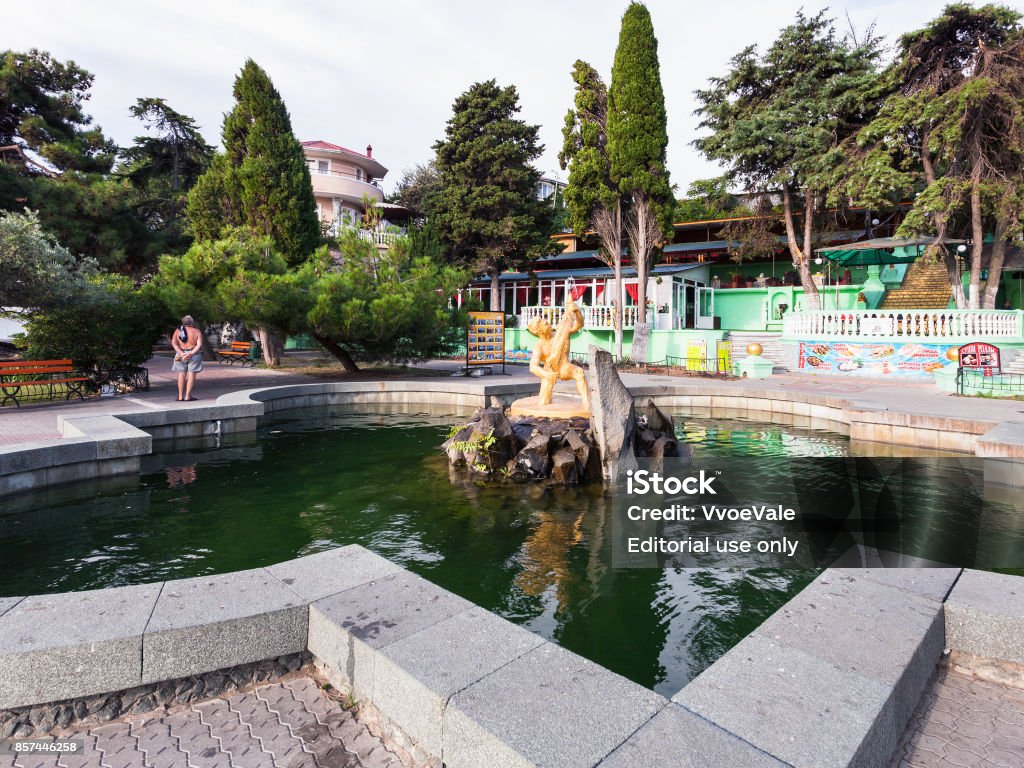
972,382
910,324
595,317
670,366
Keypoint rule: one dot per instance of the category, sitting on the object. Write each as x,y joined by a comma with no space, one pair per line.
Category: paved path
287,724
963,721
39,421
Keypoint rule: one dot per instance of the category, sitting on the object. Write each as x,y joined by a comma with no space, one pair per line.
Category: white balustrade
595,317
378,237
916,324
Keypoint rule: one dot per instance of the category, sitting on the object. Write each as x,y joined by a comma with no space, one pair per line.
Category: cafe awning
880,250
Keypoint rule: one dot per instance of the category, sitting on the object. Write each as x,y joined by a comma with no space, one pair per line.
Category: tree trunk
272,345
978,236
341,355
995,264
618,302
949,258
495,292
801,258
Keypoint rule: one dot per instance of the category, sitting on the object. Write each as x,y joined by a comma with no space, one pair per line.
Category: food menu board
979,357
874,359
485,341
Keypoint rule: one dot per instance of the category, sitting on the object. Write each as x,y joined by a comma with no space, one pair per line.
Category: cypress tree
262,180
638,140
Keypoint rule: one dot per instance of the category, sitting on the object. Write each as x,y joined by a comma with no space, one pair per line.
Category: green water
539,557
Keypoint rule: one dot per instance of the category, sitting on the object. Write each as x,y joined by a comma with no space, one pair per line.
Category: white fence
597,316
917,324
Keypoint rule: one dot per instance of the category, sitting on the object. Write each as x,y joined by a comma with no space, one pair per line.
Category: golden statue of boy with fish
550,363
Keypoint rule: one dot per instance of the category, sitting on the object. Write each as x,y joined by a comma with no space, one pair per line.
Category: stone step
771,347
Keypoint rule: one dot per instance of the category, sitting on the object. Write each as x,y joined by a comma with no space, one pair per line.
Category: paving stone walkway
963,721
289,724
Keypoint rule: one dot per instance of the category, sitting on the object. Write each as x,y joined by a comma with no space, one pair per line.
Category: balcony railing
377,237
911,324
596,317
344,175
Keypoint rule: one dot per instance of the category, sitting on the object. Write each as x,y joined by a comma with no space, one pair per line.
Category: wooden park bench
40,378
239,351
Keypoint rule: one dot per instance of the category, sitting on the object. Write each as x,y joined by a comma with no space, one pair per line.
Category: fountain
559,438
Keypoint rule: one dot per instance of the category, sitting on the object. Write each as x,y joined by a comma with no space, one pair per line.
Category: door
705,308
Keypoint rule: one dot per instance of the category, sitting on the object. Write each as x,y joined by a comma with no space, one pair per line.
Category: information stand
485,339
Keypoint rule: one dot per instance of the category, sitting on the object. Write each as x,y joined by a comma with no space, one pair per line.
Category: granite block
415,677
73,644
800,709
346,629
676,738
984,615
317,576
212,622
548,708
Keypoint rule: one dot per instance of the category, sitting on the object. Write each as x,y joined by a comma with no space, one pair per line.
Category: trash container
255,352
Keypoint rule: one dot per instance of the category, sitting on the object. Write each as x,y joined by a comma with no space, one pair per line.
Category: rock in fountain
535,444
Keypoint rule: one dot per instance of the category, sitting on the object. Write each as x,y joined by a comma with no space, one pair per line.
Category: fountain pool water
312,480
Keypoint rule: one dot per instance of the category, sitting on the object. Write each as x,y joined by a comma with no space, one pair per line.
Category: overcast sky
385,73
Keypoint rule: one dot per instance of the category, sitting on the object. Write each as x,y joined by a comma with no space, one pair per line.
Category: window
359,174
323,166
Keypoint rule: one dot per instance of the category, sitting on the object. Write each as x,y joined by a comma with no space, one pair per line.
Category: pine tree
637,144
950,134
777,120
262,180
487,209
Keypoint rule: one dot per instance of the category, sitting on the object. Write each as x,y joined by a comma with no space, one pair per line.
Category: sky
386,73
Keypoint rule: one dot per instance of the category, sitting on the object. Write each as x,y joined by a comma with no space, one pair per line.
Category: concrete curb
831,679
104,446
985,616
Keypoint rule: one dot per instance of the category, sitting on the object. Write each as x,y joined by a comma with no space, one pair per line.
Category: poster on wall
979,356
696,354
724,357
875,359
485,339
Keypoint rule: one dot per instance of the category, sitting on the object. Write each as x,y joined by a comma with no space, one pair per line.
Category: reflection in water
312,481
180,476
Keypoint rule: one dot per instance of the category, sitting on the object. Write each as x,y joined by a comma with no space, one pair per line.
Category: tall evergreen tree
487,208
950,134
637,143
262,180
592,199
163,167
776,121
42,104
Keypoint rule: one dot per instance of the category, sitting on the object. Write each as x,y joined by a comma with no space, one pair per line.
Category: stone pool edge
830,679
104,446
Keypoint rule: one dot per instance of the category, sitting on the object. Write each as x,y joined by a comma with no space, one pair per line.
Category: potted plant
737,277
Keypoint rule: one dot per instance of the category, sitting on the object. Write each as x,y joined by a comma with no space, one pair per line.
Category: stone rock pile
567,451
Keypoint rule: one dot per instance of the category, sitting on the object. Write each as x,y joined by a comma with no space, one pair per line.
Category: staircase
770,343
1016,365
925,286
